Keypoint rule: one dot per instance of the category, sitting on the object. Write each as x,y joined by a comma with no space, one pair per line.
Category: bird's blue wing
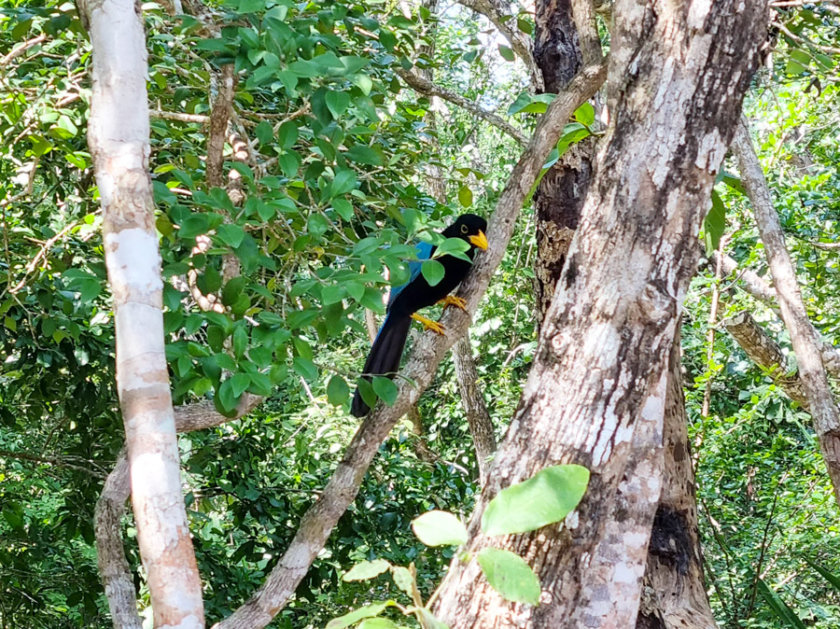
424,252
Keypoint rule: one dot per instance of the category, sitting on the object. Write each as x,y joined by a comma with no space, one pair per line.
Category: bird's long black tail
384,356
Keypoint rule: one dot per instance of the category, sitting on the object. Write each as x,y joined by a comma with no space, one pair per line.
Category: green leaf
368,611
337,102
344,181
337,391
385,390
585,114
531,103
465,196
344,208
432,271
439,528
506,52
714,224
305,368
429,620
402,577
231,235
287,135
547,497
509,575
378,623
362,154
365,570
781,609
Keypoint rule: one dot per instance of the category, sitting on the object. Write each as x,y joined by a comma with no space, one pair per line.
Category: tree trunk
673,595
596,394
560,195
119,140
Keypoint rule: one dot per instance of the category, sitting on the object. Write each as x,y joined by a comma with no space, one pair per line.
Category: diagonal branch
804,338
765,353
318,522
425,86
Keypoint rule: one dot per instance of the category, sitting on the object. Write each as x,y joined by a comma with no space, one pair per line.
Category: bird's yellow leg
434,326
451,300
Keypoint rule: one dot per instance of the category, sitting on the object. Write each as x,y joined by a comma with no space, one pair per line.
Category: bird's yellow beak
479,240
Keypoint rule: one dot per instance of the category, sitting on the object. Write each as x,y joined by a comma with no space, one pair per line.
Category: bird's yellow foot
434,326
451,300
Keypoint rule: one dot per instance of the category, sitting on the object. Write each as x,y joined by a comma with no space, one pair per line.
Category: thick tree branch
425,86
804,338
318,522
765,353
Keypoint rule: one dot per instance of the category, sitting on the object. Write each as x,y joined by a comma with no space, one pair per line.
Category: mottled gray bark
596,394
481,426
673,594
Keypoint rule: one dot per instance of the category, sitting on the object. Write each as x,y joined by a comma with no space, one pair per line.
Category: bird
404,301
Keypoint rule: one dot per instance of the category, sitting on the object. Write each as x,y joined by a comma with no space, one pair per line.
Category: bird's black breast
418,294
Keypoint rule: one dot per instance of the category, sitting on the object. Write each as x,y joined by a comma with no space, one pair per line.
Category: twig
424,86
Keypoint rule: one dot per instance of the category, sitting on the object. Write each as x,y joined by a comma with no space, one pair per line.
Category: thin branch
17,52
319,520
52,460
178,116
424,86
804,338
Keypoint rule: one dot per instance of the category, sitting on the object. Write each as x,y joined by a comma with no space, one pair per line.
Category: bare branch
222,106
178,116
17,52
319,520
805,339
583,13
765,353
424,86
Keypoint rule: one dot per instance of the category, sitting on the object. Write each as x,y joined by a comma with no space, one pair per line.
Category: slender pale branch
425,86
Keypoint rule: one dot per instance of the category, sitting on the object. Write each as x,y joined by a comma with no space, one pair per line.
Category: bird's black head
471,228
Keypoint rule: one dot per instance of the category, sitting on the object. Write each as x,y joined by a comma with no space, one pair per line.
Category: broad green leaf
714,224
509,575
337,102
430,621
337,391
585,114
439,528
465,196
362,154
368,611
231,235
385,390
506,52
378,623
287,135
344,181
432,271
545,498
365,570
402,577
531,103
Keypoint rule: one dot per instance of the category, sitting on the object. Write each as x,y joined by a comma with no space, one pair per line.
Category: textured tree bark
596,393
481,426
673,594
804,338
560,195
118,135
766,353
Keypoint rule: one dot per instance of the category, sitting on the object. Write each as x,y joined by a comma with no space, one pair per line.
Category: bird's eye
464,229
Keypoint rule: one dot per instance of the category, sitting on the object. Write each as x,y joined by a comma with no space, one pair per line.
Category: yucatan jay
404,302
